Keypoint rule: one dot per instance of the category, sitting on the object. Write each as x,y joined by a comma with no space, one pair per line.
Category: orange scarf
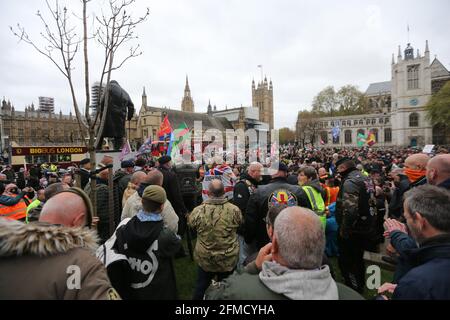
414,175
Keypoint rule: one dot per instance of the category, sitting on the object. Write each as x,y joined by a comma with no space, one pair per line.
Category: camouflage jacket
354,207
216,222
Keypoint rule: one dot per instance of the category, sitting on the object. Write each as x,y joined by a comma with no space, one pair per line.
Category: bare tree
116,28
307,127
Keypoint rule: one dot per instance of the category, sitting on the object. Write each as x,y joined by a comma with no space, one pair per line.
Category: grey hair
301,238
433,203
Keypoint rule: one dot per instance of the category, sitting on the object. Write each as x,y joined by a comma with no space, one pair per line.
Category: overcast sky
304,46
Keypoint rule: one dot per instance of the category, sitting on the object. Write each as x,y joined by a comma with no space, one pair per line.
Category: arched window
367,121
374,121
348,136
361,122
381,120
375,132
388,135
324,136
355,122
414,120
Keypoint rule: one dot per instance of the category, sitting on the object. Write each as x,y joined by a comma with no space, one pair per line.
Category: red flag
165,129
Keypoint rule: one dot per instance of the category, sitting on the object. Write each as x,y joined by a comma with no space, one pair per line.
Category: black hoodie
148,272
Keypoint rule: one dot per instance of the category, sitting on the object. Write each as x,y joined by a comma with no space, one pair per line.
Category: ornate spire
393,60
187,84
427,49
399,53
144,94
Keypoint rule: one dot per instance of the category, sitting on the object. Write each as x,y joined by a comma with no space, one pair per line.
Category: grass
186,275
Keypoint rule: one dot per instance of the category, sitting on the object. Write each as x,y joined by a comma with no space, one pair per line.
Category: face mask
414,175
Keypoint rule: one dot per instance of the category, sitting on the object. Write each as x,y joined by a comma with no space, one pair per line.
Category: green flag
361,140
181,134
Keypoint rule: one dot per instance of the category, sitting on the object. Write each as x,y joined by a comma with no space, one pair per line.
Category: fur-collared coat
46,262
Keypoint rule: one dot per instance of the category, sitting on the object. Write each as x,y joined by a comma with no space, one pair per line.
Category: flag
180,135
126,149
361,139
165,129
146,147
371,139
336,132
181,130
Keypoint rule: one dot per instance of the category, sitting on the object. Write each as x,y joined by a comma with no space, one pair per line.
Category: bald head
138,177
154,177
417,161
299,239
67,209
438,169
216,189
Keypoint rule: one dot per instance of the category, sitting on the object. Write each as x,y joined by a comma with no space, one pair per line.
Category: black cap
342,160
85,161
127,164
164,160
282,167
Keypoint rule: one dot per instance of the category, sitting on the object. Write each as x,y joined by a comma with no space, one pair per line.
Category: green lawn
186,273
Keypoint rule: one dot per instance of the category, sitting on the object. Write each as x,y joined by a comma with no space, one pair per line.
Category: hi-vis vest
15,212
317,203
332,193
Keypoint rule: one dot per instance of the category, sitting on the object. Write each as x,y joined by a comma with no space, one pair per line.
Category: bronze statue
120,108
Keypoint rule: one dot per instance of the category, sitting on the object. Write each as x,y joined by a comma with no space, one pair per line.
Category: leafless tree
111,29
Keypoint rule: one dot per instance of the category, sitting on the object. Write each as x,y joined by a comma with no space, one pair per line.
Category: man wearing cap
357,222
123,176
55,258
139,256
85,172
277,192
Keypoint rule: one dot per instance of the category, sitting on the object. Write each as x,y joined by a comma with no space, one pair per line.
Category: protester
123,176
47,255
143,238
243,189
426,211
85,172
357,225
277,192
290,267
134,203
217,249
134,183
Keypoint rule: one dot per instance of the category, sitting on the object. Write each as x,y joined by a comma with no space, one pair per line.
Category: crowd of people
260,234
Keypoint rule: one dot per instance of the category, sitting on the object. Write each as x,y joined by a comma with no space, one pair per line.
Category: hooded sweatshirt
299,284
140,264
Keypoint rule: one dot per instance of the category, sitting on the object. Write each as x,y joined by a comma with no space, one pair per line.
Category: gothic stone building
399,116
259,117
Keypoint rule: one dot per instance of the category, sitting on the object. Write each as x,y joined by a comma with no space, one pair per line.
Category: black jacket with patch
278,191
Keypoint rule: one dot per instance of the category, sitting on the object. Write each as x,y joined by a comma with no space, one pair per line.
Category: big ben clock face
414,102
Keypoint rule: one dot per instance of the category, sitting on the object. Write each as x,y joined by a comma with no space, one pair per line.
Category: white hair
301,238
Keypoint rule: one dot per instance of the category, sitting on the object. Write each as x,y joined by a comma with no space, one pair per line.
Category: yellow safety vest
317,203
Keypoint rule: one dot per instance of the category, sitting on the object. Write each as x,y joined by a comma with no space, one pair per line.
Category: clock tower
411,91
